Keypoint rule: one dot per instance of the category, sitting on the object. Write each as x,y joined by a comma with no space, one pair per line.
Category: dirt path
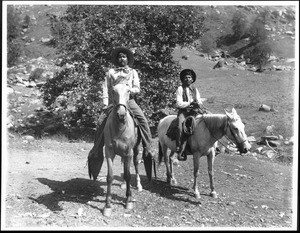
47,185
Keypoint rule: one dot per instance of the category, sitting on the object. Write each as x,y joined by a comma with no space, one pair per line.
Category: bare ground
48,187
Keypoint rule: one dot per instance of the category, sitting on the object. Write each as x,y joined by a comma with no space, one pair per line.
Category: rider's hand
105,107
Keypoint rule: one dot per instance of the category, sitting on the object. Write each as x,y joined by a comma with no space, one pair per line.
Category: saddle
188,127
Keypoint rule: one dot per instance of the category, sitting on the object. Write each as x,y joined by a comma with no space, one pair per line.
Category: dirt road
47,185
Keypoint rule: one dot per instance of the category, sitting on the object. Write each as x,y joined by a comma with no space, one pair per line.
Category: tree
259,54
240,25
86,37
13,31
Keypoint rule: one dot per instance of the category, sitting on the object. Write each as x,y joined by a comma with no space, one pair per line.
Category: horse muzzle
121,112
244,147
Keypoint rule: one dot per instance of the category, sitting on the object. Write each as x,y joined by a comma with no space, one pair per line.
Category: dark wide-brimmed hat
187,71
115,53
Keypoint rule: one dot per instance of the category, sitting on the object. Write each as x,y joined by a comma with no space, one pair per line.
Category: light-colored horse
209,128
121,138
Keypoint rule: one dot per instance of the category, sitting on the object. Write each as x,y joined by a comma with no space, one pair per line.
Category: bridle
227,125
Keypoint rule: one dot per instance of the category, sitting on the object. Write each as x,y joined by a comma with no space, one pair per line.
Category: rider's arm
197,96
105,89
135,82
179,101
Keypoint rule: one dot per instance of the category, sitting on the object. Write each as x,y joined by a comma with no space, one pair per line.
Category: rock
269,129
28,138
264,108
251,139
272,137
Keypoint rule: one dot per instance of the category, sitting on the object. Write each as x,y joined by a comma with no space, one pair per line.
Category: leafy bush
257,31
86,35
259,54
26,21
240,25
36,74
13,53
13,31
208,42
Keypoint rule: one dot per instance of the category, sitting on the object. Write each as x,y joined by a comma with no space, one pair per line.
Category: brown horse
121,137
209,128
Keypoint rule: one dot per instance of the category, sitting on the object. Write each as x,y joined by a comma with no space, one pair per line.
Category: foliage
26,21
259,54
208,42
85,37
36,74
257,31
240,25
13,30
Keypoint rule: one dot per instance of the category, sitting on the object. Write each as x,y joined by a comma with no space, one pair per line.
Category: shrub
259,54
208,42
240,25
26,21
85,37
36,74
13,30
13,53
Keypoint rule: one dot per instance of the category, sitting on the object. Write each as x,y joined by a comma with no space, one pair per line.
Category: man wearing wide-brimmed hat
122,58
187,99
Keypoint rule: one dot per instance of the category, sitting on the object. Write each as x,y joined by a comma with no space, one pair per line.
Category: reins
223,134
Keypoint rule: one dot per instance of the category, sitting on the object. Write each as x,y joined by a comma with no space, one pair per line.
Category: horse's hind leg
127,177
136,166
210,163
173,180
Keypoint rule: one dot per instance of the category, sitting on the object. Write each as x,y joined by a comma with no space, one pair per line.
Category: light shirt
114,76
192,95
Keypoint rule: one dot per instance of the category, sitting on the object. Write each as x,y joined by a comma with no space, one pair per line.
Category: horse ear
233,112
228,114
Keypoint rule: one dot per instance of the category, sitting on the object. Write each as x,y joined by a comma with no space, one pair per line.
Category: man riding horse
188,102
122,58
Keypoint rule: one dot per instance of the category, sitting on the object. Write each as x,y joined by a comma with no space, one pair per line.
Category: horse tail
147,157
95,161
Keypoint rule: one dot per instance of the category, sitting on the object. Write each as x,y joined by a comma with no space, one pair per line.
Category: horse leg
109,180
123,183
173,181
196,158
167,163
127,177
210,162
136,166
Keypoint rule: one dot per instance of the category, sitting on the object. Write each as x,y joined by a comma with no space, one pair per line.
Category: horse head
236,131
121,94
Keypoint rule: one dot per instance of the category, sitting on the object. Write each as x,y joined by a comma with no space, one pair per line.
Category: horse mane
215,122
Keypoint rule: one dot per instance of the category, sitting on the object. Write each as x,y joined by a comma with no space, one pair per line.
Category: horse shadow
174,193
77,190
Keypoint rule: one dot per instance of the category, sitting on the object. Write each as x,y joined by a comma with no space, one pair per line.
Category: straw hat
115,53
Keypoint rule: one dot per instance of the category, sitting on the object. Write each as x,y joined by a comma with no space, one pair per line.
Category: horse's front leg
109,180
127,177
136,166
210,163
196,161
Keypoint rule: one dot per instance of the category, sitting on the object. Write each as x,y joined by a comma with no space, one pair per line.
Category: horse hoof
129,205
213,194
140,188
123,186
107,212
173,182
197,195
